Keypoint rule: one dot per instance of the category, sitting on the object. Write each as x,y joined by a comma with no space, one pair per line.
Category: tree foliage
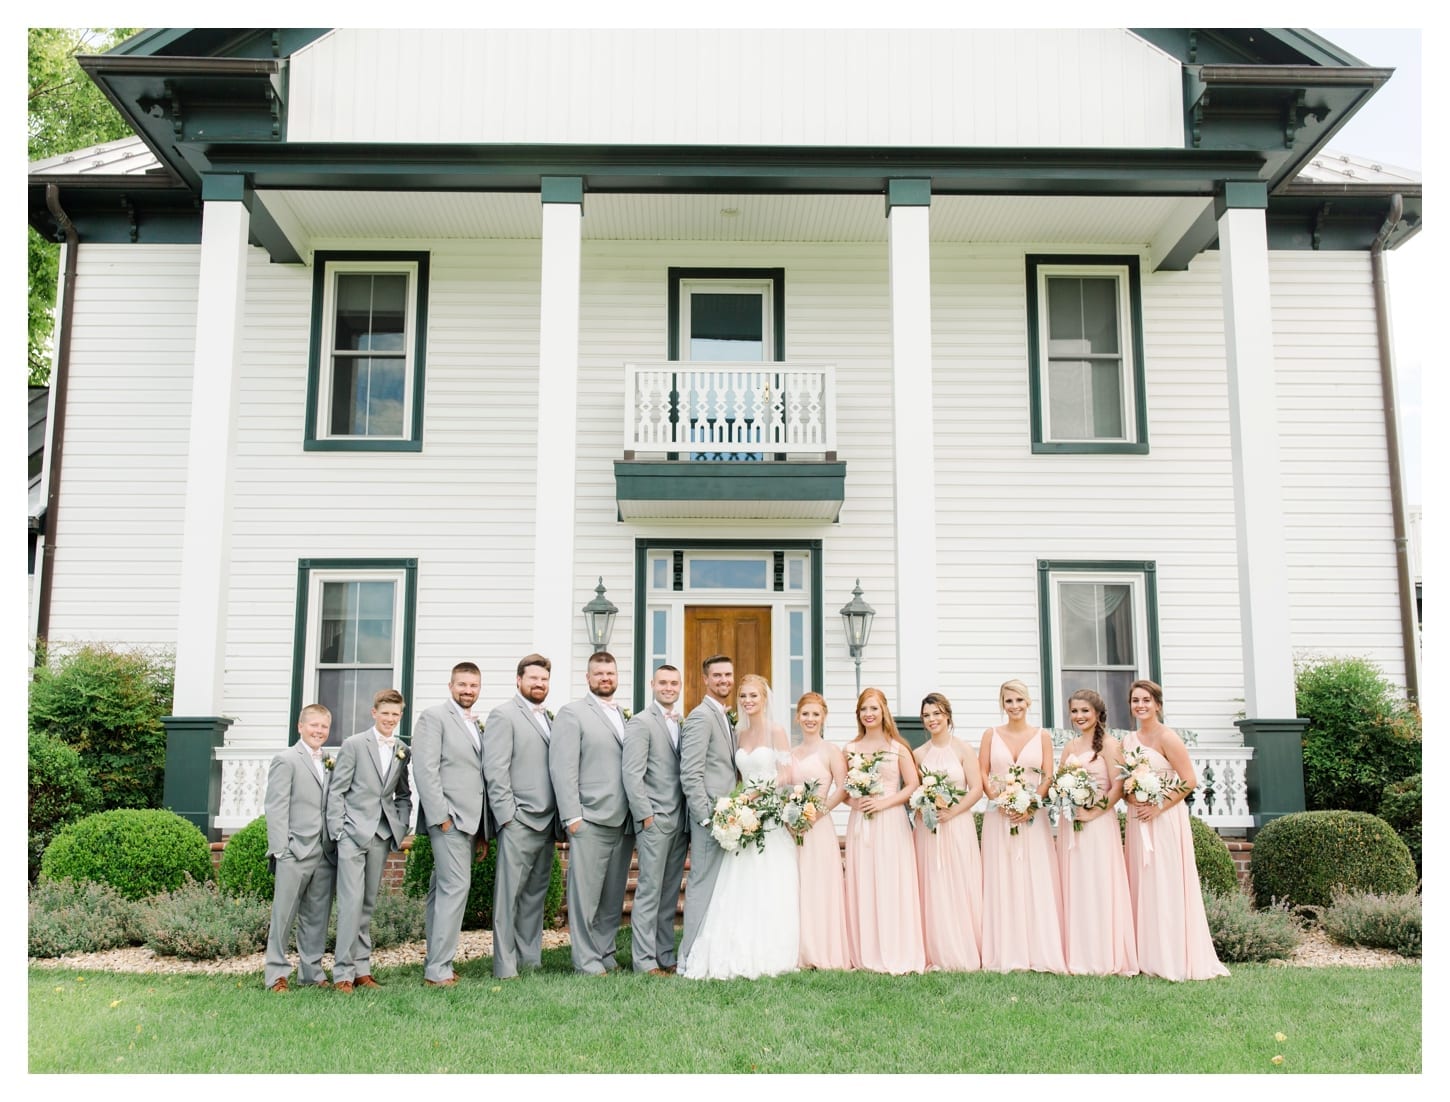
65,112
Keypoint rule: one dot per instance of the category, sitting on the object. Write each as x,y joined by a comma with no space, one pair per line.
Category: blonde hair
1016,686
314,710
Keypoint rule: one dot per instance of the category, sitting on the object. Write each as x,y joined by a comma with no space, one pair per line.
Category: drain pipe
60,382
1409,626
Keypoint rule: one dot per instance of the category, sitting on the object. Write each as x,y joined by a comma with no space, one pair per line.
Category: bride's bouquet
1014,793
936,793
863,774
743,817
1074,789
1145,785
801,805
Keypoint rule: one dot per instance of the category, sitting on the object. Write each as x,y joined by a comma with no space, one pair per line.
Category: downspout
1409,628
56,443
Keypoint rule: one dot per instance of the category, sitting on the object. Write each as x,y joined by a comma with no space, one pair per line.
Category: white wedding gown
752,926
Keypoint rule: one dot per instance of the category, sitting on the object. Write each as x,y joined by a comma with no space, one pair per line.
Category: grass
1335,1020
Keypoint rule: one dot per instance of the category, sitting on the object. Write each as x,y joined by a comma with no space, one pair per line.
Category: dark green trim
1045,568
1040,446
907,193
193,782
791,480
225,188
912,729
1276,771
642,548
1247,45
1241,195
561,189
310,440
217,42
777,302
305,567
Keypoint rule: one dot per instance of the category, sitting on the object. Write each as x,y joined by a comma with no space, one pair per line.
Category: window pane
356,623
728,574
1107,400
338,641
1069,399
660,570
349,695
1084,309
371,312
727,326
1117,645
795,572
797,633
1078,622
367,396
659,634
1111,685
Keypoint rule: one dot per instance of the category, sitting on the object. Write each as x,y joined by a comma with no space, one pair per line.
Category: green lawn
1335,1020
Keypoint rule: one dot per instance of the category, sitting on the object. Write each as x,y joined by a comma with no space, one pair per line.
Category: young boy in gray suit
368,807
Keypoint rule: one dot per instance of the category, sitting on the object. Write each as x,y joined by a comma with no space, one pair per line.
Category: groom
707,772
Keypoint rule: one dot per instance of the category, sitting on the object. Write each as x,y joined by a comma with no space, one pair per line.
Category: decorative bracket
1198,112
1295,115
1321,217
130,209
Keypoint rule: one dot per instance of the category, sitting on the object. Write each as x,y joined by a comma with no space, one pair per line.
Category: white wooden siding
1103,87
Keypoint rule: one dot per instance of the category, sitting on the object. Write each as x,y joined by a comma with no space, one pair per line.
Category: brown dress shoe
449,982
280,987
659,972
320,984
366,981
343,987
672,968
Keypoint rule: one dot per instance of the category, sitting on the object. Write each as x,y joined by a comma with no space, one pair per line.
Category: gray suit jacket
584,755
651,767
516,765
295,803
447,770
707,759
361,798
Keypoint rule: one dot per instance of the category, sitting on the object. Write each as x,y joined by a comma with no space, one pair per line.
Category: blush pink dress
883,903
823,885
949,867
1097,917
1173,937
1021,894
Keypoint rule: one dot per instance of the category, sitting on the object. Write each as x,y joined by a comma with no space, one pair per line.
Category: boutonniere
627,714
328,762
479,722
549,714
733,716
401,753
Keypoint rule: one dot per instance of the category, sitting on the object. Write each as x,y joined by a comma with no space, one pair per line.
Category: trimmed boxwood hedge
478,913
1303,857
1400,807
1215,865
138,852
243,869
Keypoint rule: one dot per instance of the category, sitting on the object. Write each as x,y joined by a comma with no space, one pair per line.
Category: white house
385,348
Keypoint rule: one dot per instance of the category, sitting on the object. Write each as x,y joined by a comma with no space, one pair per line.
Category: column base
1276,771
193,786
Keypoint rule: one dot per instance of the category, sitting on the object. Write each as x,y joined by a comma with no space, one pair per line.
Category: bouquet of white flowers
1073,789
743,817
801,805
1145,785
1014,792
936,793
863,774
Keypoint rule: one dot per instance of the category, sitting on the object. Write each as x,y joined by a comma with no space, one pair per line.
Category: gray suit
584,755
368,808
295,807
521,797
707,772
651,767
448,778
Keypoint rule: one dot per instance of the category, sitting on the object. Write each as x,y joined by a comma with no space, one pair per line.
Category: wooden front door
741,631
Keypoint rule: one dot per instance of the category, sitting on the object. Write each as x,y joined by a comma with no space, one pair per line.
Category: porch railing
730,410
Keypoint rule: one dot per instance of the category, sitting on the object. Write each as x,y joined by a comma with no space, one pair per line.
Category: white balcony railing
730,410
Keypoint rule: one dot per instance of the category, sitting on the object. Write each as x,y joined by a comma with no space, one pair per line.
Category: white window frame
1128,342
1137,581
764,288
312,667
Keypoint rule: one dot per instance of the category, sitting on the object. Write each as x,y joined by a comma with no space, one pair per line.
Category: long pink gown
1097,916
949,867
1173,937
883,904
1021,895
823,886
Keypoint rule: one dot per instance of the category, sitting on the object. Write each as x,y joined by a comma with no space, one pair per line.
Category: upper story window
365,375
1085,344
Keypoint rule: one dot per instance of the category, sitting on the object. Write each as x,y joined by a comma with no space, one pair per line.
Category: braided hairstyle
1100,726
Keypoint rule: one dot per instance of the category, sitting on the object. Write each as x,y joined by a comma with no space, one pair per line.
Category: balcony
723,441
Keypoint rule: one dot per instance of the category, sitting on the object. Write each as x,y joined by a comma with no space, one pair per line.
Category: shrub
397,919
1379,921
75,916
1215,865
1302,857
139,853
243,869
196,921
478,914
60,793
1361,735
108,705
1400,807
1242,935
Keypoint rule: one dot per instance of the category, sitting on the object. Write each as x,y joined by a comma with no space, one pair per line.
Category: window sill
362,444
1089,448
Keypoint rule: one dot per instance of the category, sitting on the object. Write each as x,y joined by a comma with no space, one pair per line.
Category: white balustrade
729,408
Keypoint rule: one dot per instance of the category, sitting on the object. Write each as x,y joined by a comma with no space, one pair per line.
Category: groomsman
368,807
651,768
300,852
516,765
448,776
707,772
584,764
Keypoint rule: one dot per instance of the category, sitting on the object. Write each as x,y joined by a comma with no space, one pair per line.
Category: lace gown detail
949,866
753,925
1097,917
823,890
883,902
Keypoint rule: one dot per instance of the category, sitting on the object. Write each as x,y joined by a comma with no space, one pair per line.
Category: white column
206,530
1258,494
915,462
554,504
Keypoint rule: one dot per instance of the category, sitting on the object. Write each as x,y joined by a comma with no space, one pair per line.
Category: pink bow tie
317,755
673,716
538,709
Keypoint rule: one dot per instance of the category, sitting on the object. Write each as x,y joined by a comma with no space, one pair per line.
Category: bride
752,927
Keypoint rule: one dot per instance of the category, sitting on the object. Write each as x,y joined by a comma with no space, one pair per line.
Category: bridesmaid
1173,937
883,905
949,863
1021,895
822,886
1097,917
